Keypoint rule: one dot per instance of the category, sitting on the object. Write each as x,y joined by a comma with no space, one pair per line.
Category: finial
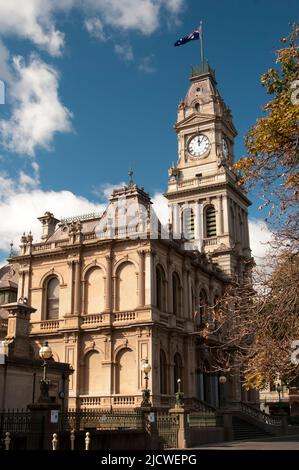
131,173
11,249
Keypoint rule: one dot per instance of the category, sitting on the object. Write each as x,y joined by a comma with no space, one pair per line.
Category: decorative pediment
194,119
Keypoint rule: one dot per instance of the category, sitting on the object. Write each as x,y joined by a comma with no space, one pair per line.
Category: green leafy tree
273,145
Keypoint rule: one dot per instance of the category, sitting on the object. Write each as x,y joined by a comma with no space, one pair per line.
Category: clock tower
207,207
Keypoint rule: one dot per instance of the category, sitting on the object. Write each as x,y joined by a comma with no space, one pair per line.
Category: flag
196,34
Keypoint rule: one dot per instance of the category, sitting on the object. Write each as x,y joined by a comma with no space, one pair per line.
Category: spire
131,181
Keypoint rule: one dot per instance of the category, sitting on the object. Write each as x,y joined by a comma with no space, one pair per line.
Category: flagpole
201,44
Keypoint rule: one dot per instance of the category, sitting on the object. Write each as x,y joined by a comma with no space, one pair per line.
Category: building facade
112,291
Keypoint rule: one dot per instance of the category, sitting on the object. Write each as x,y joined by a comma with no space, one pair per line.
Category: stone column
197,221
225,213
220,218
141,278
185,294
169,286
108,299
77,288
176,221
184,430
149,278
114,292
70,287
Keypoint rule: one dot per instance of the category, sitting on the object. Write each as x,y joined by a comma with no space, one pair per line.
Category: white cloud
95,28
5,73
21,202
125,51
37,113
160,206
105,190
260,236
146,64
36,19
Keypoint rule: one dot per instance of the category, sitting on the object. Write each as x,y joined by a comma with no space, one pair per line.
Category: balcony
117,401
91,321
198,182
45,326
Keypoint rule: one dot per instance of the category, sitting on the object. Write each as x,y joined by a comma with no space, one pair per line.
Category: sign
151,417
54,416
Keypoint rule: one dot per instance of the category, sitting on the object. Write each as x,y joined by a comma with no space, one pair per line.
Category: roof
9,275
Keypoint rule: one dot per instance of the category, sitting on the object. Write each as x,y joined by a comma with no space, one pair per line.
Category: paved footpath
274,443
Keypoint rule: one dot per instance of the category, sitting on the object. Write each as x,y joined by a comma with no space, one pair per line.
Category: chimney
18,327
49,223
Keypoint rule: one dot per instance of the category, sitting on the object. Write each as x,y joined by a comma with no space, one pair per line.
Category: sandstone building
116,289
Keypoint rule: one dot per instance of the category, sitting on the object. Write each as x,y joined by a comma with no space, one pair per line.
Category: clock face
225,148
199,145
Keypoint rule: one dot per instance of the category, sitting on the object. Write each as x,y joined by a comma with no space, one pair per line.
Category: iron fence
168,427
100,420
14,421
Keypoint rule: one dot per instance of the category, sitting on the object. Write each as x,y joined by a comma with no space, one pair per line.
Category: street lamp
45,353
146,368
222,381
179,396
279,390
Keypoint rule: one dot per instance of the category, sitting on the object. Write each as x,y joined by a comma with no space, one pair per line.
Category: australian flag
191,37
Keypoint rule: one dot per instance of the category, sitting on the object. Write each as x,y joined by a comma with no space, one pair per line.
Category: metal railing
198,405
258,414
14,421
168,427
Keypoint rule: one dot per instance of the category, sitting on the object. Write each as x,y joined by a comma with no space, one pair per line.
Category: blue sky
110,79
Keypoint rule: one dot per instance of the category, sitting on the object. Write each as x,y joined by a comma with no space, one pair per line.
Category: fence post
7,441
284,424
151,428
227,418
72,437
54,441
41,426
87,441
184,429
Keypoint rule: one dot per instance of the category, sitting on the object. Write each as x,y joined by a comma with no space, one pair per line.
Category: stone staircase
243,430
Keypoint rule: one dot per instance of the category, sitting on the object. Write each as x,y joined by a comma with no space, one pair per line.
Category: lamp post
222,381
146,368
279,390
45,353
179,396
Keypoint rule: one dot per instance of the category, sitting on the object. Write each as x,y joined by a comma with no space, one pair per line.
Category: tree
257,319
273,146
256,326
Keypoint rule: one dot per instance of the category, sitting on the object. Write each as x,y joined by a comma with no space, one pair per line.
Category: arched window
52,306
163,372
94,291
126,367
211,222
126,298
188,223
175,294
92,374
159,288
203,303
177,372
